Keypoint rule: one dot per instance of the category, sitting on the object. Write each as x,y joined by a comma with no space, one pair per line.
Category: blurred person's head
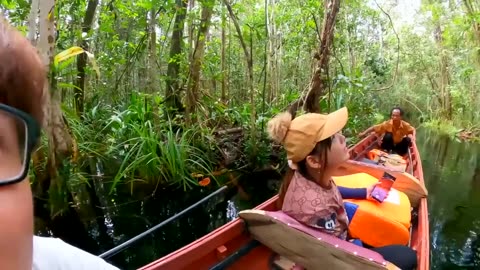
396,114
22,81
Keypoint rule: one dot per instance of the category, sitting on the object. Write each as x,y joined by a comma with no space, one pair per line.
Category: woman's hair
320,150
22,73
277,129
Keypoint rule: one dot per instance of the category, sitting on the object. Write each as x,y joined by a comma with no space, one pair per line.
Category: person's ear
313,162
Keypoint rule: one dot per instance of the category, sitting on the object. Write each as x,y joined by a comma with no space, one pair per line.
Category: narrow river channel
452,174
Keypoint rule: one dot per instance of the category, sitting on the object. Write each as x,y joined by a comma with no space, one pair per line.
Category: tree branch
398,51
318,83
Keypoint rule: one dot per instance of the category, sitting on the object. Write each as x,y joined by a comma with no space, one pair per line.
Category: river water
452,175
132,218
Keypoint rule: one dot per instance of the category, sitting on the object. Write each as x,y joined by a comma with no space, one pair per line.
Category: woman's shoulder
53,253
304,190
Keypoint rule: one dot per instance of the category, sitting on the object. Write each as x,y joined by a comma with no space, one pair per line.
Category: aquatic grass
174,156
180,158
139,146
90,130
89,141
160,155
137,154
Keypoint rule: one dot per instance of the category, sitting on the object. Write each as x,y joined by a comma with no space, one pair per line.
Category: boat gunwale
236,227
423,222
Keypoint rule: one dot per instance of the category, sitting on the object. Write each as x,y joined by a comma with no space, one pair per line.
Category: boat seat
306,246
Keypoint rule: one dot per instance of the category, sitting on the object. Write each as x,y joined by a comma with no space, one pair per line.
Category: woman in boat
22,98
315,148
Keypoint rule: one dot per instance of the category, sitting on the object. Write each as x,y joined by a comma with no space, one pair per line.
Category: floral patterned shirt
315,206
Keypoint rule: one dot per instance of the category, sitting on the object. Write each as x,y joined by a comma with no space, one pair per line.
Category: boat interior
265,238
403,220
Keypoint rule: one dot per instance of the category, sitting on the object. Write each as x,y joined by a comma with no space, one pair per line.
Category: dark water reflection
452,174
125,218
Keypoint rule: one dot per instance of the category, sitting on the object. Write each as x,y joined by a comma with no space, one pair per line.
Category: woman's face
338,152
12,143
16,211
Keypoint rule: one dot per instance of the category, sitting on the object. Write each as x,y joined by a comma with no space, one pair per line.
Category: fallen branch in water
229,131
469,134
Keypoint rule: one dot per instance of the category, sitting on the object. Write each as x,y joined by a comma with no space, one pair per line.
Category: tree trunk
224,74
172,92
61,143
350,48
249,60
472,13
446,105
152,52
190,31
79,90
197,58
273,45
319,83
229,55
32,22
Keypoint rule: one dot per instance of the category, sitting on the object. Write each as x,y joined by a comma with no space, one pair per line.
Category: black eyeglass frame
32,137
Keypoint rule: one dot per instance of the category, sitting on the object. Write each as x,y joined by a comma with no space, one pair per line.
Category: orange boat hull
216,246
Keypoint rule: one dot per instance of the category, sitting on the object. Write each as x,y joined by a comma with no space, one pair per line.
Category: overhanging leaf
67,85
74,51
64,55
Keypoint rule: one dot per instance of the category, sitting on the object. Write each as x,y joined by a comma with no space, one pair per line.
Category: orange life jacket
376,224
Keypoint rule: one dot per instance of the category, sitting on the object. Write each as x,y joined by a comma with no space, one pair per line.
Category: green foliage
145,147
442,127
124,123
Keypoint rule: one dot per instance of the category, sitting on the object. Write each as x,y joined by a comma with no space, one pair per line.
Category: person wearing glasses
22,98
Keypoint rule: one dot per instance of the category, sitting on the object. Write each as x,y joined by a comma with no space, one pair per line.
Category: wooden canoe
233,247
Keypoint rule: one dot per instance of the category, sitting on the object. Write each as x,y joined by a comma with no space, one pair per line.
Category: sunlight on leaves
74,51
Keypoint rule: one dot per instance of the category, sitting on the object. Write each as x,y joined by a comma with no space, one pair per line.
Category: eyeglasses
19,133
